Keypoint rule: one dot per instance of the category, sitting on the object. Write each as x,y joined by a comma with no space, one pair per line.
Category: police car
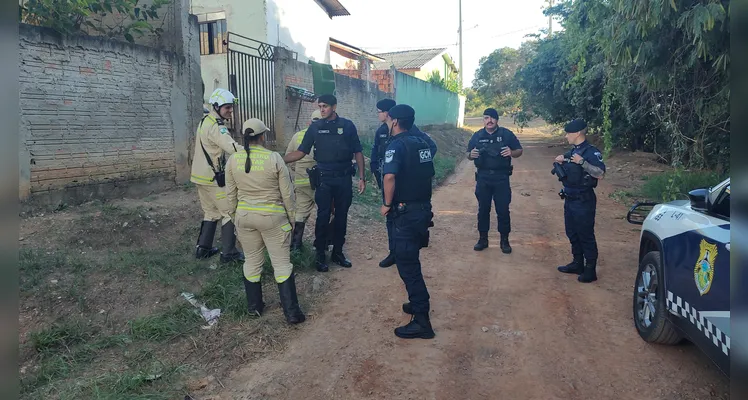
682,288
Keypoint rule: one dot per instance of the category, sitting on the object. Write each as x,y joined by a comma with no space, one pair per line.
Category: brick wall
357,100
99,112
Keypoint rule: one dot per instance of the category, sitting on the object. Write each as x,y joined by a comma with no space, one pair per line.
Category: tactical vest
576,176
330,145
489,147
382,134
414,179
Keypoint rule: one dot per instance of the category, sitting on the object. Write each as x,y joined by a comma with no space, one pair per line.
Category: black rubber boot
388,261
505,247
419,327
589,274
290,302
408,309
298,235
574,267
204,247
255,305
228,240
339,258
322,261
482,242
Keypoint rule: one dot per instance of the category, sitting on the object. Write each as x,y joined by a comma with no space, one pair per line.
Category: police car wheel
650,308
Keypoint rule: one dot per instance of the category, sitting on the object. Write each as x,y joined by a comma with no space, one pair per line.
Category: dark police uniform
580,204
492,179
377,152
409,157
335,141
390,260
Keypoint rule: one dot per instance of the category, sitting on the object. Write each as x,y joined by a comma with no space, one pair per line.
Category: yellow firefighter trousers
257,232
214,203
304,202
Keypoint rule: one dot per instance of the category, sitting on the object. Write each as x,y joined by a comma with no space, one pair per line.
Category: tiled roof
409,59
333,8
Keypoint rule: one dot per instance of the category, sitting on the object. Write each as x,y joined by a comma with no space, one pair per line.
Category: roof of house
352,50
409,59
333,8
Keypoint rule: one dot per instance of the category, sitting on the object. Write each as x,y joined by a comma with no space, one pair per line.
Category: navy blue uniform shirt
349,133
589,153
507,139
394,156
380,139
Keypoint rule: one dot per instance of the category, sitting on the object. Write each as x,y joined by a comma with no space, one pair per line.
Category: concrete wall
101,118
301,26
433,104
357,99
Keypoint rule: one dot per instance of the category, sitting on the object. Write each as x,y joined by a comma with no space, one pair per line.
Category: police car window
721,207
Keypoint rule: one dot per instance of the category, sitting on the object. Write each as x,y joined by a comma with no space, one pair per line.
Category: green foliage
451,82
676,184
110,18
649,75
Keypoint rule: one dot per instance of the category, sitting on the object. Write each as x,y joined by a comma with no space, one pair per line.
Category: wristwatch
387,205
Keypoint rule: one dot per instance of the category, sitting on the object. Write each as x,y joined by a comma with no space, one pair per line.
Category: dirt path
507,326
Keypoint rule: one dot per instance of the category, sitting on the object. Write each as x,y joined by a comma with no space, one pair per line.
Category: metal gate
252,81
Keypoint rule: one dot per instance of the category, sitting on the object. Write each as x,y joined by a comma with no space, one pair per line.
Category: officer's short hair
327,99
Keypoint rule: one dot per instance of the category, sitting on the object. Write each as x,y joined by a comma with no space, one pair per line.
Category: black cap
385,104
402,111
327,99
575,126
491,112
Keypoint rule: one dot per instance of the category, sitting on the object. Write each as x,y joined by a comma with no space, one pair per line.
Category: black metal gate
252,81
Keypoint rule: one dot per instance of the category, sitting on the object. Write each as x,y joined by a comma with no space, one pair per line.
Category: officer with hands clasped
579,170
407,178
336,142
492,149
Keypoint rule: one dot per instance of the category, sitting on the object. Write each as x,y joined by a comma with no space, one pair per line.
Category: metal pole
550,20
461,82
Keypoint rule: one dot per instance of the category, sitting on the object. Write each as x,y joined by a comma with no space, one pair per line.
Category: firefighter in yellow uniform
259,189
302,187
212,144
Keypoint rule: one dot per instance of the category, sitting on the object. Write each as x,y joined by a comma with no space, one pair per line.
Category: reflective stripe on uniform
281,279
254,279
202,178
269,207
301,181
220,195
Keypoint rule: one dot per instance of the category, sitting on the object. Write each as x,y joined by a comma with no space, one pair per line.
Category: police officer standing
380,139
212,144
583,166
335,142
303,189
492,149
260,193
408,171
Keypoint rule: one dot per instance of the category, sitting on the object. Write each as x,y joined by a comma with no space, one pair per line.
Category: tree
495,77
449,83
111,18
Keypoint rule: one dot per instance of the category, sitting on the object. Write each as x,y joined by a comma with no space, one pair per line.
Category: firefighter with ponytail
261,195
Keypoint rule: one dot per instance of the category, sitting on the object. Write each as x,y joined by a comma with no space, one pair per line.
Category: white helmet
221,97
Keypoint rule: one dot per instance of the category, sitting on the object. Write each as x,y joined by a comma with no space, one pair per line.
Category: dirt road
507,326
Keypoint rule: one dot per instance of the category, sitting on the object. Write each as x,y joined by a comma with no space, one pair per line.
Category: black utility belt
335,174
405,206
586,195
496,171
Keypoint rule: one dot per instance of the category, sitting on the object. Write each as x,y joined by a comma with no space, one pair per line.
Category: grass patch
36,264
62,335
166,325
675,185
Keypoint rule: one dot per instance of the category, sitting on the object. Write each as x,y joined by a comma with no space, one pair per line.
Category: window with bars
213,37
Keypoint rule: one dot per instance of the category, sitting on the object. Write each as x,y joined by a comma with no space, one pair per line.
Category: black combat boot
298,235
482,242
408,309
204,247
589,274
339,258
388,261
419,327
322,261
574,267
505,247
255,305
290,302
228,241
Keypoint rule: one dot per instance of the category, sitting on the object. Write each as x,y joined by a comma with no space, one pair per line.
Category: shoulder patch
425,155
389,155
599,155
223,130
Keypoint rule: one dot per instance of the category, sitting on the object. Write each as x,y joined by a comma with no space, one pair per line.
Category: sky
379,26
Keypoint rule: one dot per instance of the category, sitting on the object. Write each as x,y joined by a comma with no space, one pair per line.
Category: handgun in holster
314,180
